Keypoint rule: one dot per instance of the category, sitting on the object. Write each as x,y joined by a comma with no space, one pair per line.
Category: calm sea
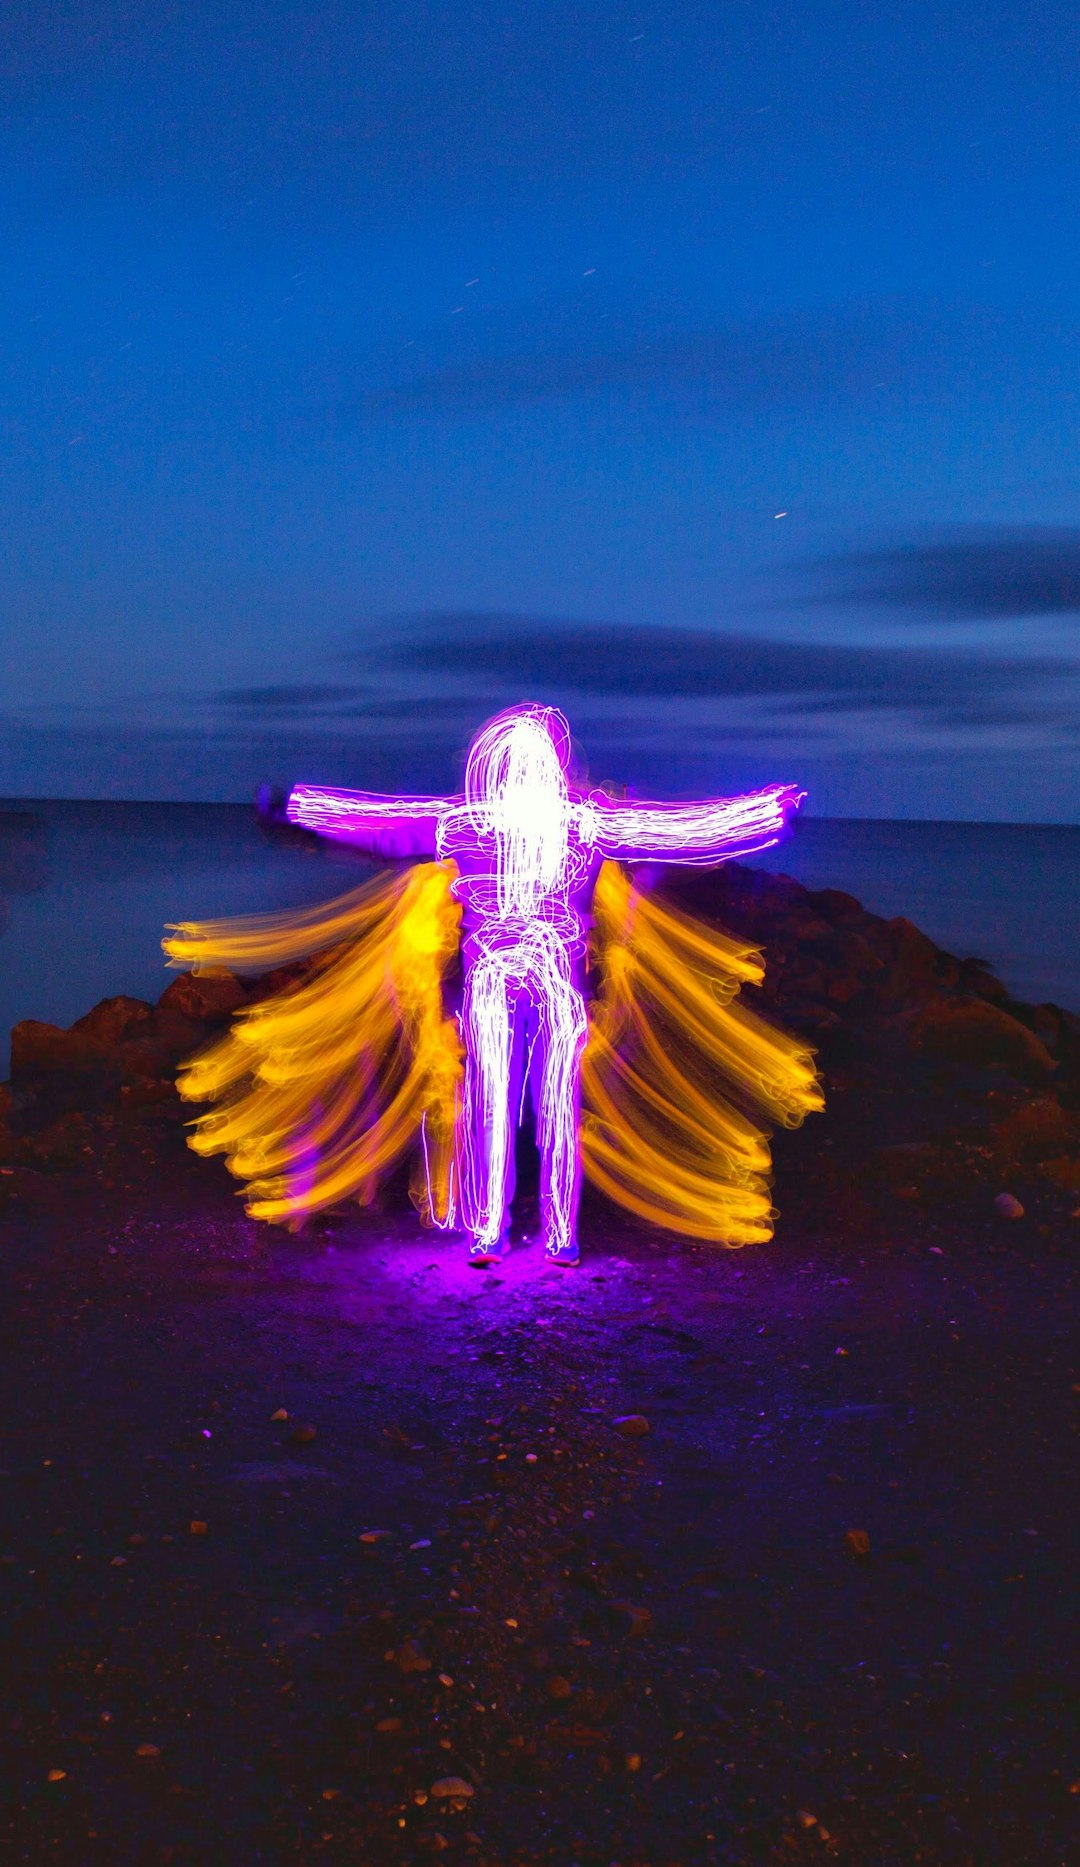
86,888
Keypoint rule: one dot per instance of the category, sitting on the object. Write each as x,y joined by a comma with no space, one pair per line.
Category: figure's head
524,749
516,791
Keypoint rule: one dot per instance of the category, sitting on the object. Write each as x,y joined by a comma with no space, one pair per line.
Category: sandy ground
449,1567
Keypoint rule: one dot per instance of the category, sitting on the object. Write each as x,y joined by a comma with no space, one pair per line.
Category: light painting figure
322,1086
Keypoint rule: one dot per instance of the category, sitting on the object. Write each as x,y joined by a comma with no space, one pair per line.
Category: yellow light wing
320,1089
673,1064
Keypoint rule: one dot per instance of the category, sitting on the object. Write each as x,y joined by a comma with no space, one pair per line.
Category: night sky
711,368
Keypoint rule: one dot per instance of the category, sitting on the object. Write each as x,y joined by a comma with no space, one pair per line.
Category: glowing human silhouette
527,845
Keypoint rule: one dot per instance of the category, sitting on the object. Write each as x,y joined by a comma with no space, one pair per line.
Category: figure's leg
486,1115
563,1030
518,1007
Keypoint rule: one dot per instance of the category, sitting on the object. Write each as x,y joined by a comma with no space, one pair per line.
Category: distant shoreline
805,815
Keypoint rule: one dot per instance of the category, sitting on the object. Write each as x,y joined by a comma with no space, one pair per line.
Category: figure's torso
560,905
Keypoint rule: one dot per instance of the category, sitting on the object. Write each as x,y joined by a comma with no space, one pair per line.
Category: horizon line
230,803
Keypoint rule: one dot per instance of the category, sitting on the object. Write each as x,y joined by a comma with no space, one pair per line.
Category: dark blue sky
366,365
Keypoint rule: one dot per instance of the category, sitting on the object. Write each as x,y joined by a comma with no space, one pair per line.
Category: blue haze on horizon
711,371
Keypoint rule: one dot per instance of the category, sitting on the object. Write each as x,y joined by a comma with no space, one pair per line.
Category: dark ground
634,1650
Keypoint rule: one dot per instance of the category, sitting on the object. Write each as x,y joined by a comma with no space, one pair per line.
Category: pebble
858,1542
278,1416
1007,1206
636,1619
197,1527
631,1425
454,1788
411,1657
303,1435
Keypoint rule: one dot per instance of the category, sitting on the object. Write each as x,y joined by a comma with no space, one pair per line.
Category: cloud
765,364
521,654
314,703
284,700
981,574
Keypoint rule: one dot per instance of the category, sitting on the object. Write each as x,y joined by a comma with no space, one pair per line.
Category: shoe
568,1255
480,1256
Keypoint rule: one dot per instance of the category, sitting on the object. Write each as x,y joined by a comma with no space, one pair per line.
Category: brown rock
972,1031
1038,1127
915,964
411,1657
836,906
635,1620
39,1049
452,1788
631,1425
901,1162
913,950
205,997
122,1040
62,1143
54,1072
279,980
976,977
8,1143
1047,1023
1064,1171
143,1061
809,929
112,1020
173,1036
558,1687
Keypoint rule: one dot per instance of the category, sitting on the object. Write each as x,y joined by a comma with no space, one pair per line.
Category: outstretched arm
704,834
386,827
